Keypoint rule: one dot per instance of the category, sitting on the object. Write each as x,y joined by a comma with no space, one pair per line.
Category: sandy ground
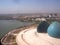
31,37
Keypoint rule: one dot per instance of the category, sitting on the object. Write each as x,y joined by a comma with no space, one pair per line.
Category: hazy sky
29,6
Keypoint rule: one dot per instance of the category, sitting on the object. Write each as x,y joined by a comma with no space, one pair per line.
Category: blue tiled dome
54,30
42,27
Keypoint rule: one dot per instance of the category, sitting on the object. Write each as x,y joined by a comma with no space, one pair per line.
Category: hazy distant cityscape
29,17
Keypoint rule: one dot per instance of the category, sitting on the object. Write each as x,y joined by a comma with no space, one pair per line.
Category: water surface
8,25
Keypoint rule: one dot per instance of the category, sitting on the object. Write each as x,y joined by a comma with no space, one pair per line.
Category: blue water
8,25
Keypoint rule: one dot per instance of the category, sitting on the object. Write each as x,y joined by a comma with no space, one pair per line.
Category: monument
34,36
42,27
54,30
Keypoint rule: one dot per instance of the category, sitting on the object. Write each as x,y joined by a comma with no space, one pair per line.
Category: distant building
40,19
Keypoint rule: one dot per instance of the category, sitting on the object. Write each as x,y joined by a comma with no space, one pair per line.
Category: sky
29,6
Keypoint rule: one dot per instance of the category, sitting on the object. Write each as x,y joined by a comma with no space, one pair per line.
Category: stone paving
31,37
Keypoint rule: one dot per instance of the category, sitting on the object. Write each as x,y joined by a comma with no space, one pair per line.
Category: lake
8,25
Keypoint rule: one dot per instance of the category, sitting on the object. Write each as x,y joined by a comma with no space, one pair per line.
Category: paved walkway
31,37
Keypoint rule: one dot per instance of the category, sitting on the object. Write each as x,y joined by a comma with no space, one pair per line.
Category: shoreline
10,37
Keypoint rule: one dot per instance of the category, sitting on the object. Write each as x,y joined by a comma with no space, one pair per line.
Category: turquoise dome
42,27
54,30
